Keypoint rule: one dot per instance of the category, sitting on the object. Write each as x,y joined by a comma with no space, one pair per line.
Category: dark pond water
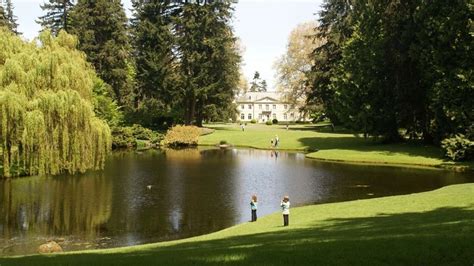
193,192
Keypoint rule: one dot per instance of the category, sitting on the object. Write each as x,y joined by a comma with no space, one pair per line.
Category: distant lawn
335,146
431,228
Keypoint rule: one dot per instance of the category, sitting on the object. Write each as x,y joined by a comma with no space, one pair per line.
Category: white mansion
264,106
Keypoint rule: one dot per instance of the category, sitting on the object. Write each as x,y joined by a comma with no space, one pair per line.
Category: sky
263,27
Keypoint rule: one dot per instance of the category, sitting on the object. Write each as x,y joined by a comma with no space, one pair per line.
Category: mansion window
274,106
274,116
250,106
267,107
242,116
259,116
285,116
284,106
250,116
250,97
292,115
242,107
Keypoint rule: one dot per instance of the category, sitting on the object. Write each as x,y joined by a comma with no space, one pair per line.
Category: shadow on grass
324,128
361,144
439,237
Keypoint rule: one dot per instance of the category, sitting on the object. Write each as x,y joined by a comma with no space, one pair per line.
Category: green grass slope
431,228
331,146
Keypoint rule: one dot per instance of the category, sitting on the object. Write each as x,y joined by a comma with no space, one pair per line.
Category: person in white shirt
285,207
253,207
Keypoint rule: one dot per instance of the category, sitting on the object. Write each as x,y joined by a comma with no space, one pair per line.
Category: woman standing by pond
253,207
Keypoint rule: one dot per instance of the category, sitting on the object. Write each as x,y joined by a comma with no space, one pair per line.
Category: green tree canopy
257,83
48,125
208,59
390,67
57,15
101,27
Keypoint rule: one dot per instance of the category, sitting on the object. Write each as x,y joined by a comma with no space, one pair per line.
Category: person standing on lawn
285,207
253,207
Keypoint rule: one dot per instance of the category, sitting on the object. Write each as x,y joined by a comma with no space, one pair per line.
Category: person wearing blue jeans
253,207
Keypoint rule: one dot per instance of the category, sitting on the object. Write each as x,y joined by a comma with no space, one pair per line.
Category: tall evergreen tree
209,61
335,28
394,66
11,18
57,15
3,18
257,84
101,26
156,64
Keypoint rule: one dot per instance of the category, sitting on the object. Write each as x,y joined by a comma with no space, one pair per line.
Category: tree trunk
190,109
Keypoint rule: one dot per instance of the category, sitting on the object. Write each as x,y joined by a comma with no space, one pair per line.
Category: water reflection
38,209
167,194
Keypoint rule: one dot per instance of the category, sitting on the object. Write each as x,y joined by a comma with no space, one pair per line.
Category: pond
158,195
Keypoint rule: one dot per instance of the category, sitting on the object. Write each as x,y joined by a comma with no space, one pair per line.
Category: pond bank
321,144
431,228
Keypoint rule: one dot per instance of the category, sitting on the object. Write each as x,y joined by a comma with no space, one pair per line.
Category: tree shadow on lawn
440,237
323,129
367,145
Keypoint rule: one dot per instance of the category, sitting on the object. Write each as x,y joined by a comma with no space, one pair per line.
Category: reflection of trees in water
191,194
183,154
55,206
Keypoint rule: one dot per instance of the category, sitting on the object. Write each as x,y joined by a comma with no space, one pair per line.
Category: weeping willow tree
47,121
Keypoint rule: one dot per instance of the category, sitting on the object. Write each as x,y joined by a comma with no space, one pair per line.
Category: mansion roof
268,96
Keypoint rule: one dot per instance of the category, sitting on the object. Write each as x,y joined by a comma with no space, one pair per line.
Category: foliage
209,60
101,27
390,64
156,63
7,19
187,61
269,123
275,121
182,136
12,24
458,148
57,15
253,121
3,18
127,137
258,84
104,106
142,133
223,142
294,66
122,137
48,125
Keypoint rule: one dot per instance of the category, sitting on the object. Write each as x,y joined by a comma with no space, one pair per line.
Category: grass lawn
330,145
431,228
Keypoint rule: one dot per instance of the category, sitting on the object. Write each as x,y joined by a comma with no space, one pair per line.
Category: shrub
182,136
142,133
253,121
157,138
275,121
458,148
269,123
127,137
223,142
122,137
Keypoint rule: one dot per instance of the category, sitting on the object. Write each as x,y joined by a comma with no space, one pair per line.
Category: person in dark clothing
285,207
